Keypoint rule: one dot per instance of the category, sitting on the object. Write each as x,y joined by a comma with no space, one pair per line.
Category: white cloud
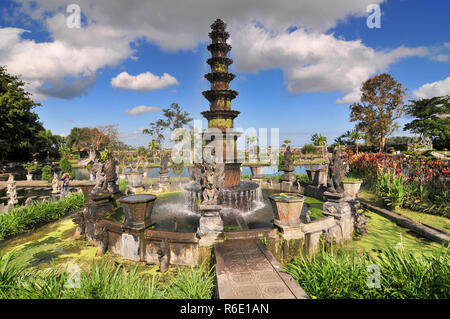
142,109
313,61
441,57
429,90
143,82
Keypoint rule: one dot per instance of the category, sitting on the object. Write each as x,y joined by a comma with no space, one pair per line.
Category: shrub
22,218
47,174
403,275
391,188
302,178
66,167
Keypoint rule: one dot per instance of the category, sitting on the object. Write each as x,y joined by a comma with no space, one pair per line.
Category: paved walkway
247,270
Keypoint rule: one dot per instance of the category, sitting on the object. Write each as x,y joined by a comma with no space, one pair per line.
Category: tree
432,118
20,126
355,136
154,147
76,139
319,140
380,105
174,118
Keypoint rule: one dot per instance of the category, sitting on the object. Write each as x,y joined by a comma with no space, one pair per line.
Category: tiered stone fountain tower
235,194
220,114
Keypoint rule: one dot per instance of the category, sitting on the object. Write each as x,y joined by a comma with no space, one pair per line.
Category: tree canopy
380,105
432,118
20,127
175,118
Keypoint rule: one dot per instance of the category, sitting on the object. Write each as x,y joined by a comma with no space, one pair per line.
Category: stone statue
336,173
55,184
213,177
28,202
288,168
164,165
11,191
110,177
80,220
287,160
98,169
101,236
164,255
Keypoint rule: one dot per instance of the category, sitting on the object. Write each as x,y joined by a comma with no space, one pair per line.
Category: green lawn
418,217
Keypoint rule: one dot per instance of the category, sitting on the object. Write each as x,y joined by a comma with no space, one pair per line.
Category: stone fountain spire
220,114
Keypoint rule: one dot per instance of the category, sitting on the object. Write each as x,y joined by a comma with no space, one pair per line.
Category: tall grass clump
403,275
106,280
22,218
192,283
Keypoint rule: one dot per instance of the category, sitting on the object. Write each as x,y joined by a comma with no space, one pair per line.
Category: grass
104,280
418,217
345,274
22,218
352,179
315,206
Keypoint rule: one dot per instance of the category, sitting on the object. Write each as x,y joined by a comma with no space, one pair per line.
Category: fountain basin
137,210
241,197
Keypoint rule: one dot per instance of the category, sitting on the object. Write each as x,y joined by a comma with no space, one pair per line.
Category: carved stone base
289,232
210,225
288,176
164,178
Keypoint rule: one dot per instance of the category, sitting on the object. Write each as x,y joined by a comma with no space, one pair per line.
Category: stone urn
318,176
351,188
86,189
138,210
257,172
29,177
135,179
287,208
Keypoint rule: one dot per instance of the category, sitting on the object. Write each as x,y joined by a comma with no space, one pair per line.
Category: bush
47,174
302,178
391,189
66,167
22,218
403,275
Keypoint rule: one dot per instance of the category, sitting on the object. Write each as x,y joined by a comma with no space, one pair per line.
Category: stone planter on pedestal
138,210
287,208
318,176
29,177
86,189
351,189
135,179
257,172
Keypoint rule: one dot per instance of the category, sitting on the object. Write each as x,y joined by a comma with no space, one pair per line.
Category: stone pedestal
101,207
210,225
289,232
288,176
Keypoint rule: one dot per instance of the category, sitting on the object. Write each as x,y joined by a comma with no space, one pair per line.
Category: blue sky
298,67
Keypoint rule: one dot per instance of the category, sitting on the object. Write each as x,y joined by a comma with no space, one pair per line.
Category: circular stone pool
172,212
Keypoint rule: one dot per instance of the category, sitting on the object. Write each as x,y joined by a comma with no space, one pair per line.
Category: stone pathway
247,270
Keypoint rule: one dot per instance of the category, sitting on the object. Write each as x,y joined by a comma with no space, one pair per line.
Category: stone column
211,224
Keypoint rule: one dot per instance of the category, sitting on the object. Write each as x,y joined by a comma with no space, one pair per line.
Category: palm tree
154,147
76,138
319,140
355,136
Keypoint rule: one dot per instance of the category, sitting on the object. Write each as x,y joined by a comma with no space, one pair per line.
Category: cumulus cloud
313,61
142,109
429,90
143,82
